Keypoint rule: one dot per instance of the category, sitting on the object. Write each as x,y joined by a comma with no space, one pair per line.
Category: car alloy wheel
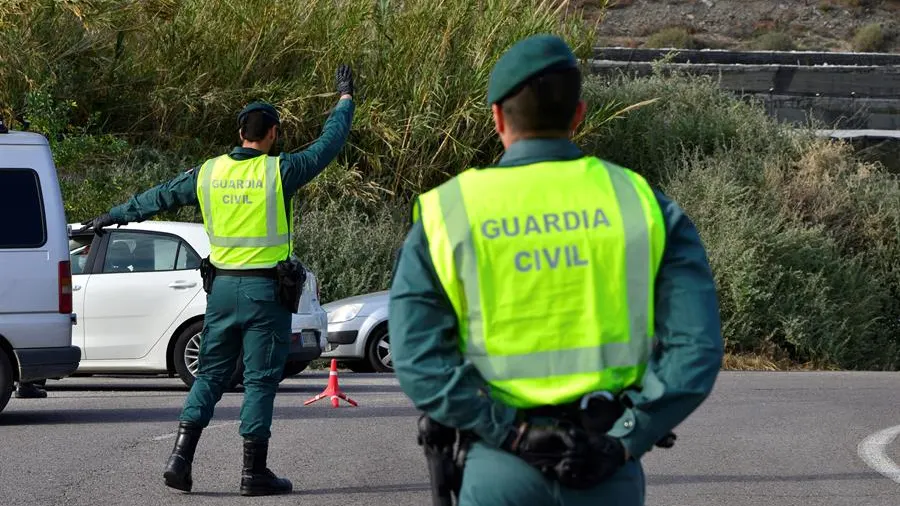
187,346
192,354
383,351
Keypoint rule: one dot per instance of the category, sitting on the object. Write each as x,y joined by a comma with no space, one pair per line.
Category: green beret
266,109
524,60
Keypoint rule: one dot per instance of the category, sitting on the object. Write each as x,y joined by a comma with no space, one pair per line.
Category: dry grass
869,39
755,362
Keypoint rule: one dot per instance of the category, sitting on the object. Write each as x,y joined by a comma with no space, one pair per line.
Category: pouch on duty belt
291,276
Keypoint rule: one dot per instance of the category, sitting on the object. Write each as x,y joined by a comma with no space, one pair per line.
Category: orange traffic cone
332,390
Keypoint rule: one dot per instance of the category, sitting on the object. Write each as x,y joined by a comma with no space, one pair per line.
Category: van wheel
186,355
6,380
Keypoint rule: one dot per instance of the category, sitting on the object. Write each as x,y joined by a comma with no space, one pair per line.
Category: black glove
104,220
541,446
568,455
344,80
604,456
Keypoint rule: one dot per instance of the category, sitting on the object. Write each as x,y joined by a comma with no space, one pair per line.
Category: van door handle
182,284
76,287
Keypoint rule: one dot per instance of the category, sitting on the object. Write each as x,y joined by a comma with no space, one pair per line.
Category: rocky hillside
818,25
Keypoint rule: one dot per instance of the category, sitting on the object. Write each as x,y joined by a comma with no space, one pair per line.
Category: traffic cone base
332,390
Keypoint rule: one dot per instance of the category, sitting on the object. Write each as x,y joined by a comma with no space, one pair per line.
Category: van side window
147,252
20,197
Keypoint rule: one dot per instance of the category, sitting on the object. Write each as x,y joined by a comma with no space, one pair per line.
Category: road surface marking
173,434
871,450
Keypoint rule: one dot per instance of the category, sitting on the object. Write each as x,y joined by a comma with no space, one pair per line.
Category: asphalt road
761,439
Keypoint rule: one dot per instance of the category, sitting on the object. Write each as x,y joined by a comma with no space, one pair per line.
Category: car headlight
344,313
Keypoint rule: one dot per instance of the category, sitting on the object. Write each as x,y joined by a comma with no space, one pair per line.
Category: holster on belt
291,276
207,274
445,451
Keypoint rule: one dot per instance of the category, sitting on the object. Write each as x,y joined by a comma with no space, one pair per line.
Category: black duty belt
270,273
595,413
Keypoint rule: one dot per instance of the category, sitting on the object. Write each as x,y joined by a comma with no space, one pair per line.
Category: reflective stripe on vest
243,211
553,291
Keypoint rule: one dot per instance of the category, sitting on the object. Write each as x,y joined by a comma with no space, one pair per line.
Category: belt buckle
586,398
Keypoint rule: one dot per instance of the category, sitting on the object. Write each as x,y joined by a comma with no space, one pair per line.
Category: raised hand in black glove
344,80
104,220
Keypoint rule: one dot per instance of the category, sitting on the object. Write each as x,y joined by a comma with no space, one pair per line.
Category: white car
358,332
139,300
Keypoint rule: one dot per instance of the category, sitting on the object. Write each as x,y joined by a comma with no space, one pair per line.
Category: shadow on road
118,387
314,383
755,478
372,489
130,415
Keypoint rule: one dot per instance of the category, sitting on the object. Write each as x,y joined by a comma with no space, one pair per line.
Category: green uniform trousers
493,477
241,312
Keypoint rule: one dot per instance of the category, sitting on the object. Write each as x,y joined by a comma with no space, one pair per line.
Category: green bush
773,41
672,37
351,250
691,116
869,38
803,240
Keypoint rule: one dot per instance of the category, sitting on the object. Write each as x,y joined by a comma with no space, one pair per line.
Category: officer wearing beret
245,198
554,309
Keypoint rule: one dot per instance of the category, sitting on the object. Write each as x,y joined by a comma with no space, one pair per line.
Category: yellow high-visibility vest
243,211
550,268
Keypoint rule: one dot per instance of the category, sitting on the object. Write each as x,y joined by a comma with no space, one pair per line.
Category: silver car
358,332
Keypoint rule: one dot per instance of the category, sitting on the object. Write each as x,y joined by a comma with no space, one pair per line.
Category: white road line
173,434
871,450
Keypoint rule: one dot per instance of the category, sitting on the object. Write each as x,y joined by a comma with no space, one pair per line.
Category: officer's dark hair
545,103
256,125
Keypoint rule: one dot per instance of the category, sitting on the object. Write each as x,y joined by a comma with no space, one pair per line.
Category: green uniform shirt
681,373
297,169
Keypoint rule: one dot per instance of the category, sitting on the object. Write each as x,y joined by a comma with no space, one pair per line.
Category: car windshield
79,249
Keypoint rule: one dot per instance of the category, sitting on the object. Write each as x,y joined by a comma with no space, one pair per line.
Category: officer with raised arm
251,276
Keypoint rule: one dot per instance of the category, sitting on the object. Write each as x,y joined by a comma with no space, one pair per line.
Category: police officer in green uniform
554,309
245,198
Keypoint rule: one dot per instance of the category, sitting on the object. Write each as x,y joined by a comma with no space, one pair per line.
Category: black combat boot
30,391
178,468
256,478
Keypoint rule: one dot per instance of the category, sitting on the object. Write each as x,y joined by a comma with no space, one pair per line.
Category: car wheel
6,380
378,350
186,356
294,368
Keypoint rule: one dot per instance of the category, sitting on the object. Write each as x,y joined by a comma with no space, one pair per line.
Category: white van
36,315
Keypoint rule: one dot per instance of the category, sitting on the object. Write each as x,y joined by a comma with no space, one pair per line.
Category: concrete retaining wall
841,90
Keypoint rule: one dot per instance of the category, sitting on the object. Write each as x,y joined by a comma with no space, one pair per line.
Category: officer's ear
499,120
580,112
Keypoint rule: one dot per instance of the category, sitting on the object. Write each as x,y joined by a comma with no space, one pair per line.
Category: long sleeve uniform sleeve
177,192
688,356
424,346
300,168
